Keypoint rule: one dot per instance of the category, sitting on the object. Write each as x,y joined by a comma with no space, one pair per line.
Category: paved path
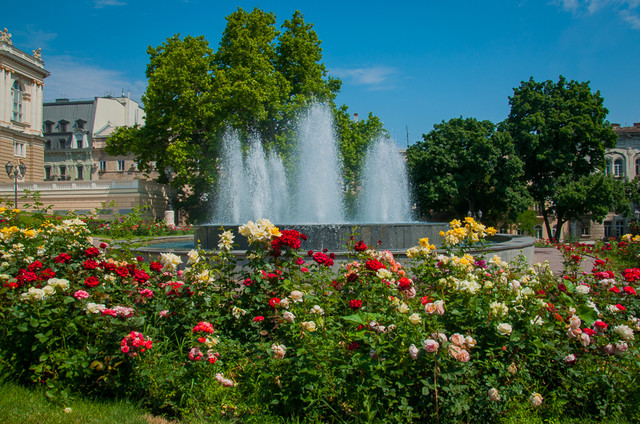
553,255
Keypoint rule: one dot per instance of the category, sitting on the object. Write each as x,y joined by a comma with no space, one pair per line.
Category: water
255,184
385,195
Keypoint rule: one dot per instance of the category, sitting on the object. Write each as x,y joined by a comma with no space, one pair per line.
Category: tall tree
256,82
252,95
299,58
466,165
560,132
180,124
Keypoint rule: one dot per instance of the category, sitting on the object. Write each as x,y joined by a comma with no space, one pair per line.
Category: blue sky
412,63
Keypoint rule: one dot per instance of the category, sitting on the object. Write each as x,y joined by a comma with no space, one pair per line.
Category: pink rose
81,294
431,345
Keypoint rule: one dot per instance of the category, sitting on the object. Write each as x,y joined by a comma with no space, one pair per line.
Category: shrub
290,333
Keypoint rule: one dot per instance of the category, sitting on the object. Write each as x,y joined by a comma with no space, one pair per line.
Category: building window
20,149
80,124
16,94
607,169
62,143
586,228
619,228
62,125
103,166
538,231
63,172
47,173
120,165
637,167
618,168
79,141
79,170
607,230
48,127
47,144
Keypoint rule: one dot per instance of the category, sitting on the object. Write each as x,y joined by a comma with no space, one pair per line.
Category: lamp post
17,173
169,213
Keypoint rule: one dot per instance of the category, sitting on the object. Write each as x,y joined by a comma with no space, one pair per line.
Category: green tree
593,195
466,165
180,125
251,94
560,132
299,58
256,82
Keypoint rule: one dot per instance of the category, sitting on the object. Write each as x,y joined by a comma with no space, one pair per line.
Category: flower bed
445,337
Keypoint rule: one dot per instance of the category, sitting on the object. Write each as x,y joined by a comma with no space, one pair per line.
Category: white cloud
627,10
73,79
376,77
99,4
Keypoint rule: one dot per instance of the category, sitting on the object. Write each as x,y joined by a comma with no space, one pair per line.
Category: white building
21,96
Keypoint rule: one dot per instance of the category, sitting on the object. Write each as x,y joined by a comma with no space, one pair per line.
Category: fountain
254,184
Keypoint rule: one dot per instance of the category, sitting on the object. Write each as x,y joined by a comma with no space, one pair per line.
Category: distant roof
627,130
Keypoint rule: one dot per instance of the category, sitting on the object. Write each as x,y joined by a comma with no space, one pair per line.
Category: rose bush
436,337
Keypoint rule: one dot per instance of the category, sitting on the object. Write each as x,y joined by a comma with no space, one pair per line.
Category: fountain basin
396,238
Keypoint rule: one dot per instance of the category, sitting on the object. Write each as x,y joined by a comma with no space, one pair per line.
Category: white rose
309,326
288,316
624,331
504,329
494,395
582,289
284,303
415,319
296,295
535,399
403,309
413,351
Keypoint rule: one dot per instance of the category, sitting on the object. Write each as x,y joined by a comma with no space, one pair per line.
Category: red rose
360,246
600,324
90,264
91,281
155,266
122,271
274,302
258,318
91,252
355,304
108,266
629,290
62,258
589,332
374,265
34,266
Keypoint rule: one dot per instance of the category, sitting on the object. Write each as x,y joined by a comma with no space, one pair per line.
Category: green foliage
288,335
466,165
257,82
560,132
527,220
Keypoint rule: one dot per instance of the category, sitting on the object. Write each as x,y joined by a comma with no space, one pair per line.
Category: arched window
16,94
608,169
637,167
618,168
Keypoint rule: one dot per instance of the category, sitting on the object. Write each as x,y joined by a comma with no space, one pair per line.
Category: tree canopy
257,82
560,132
466,165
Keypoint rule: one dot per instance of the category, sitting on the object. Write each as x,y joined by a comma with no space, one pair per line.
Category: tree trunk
546,220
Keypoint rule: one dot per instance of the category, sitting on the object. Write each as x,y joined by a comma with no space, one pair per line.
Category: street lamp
169,214
17,173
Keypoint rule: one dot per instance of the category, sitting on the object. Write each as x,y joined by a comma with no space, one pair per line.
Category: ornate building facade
21,97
